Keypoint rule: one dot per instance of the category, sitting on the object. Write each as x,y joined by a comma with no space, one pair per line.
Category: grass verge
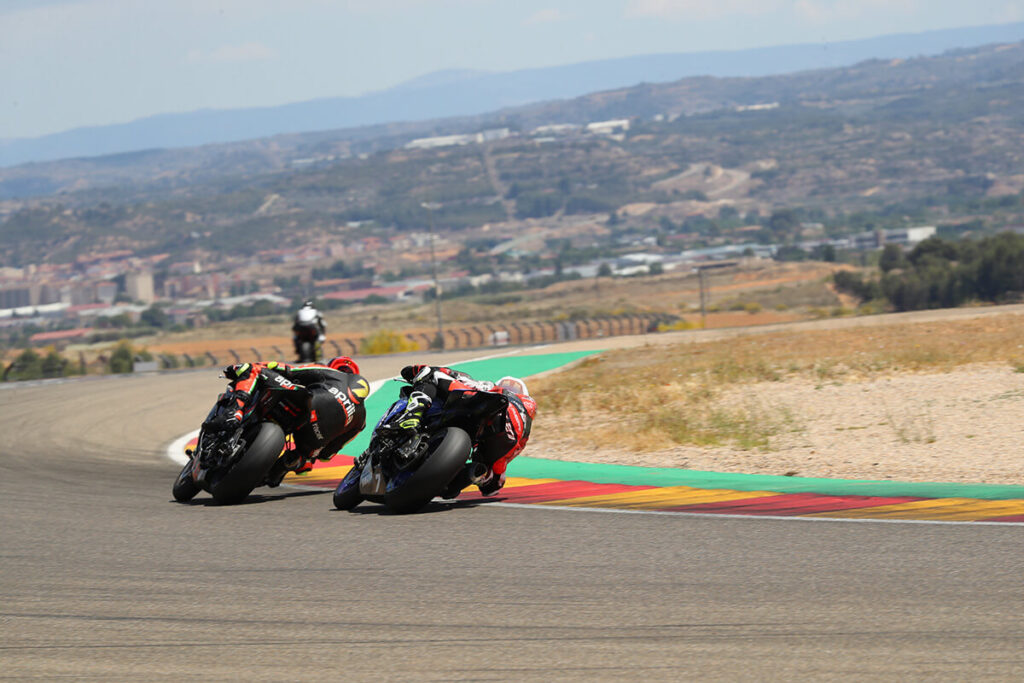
659,396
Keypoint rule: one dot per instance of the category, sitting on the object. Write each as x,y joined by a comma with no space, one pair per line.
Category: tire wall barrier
468,337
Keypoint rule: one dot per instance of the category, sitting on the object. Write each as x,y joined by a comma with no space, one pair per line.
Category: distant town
68,302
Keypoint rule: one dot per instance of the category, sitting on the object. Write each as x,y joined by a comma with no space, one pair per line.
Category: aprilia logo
345,401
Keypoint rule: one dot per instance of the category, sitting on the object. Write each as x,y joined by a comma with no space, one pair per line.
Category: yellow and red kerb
584,494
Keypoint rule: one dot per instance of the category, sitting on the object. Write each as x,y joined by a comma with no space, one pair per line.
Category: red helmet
344,364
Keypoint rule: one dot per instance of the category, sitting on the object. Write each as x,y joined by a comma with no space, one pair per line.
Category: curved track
104,578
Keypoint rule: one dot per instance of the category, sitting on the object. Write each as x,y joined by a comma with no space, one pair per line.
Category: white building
493,134
443,141
608,127
764,106
556,129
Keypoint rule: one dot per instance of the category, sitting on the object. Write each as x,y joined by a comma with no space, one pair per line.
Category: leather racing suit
504,435
336,410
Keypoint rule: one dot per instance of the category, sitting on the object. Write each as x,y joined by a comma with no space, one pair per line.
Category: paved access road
105,578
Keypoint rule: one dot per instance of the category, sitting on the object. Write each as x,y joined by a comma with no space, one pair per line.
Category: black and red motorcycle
231,459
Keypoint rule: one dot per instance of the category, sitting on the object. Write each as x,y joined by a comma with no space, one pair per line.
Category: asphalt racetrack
104,577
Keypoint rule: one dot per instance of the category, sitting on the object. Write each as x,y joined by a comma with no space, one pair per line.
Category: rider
504,436
308,326
336,411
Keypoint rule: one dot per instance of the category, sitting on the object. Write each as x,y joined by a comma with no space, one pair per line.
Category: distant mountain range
470,93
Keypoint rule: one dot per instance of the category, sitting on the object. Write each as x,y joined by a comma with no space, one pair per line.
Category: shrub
678,325
122,359
28,365
53,364
385,341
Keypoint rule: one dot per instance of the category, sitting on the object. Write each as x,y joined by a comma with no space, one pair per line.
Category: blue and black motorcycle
406,468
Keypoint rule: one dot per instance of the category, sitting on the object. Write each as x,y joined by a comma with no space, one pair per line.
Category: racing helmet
513,384
343,364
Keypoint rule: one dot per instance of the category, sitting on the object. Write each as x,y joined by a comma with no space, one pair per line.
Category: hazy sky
70,63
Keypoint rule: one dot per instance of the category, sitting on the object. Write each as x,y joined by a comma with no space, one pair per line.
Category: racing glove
237,371
414,411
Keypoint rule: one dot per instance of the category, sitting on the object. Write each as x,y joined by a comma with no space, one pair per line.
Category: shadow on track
252,499
433,507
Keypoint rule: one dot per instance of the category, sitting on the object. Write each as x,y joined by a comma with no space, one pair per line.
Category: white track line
713,515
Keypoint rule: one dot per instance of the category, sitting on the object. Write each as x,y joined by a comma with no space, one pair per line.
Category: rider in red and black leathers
336,411
504,436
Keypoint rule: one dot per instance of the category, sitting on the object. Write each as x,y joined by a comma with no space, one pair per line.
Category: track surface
104,578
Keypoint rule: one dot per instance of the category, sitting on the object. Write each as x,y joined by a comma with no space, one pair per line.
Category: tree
604,270
891,258
784,223
656,269
154,316
790,253
122,359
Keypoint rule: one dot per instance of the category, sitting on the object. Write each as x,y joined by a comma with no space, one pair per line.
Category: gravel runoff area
959,426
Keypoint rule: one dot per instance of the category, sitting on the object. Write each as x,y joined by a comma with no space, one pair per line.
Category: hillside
879,143
470,93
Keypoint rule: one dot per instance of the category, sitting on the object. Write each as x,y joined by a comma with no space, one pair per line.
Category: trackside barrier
474,336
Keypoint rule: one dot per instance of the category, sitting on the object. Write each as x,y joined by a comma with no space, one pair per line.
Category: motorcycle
229,461
406,468
308,341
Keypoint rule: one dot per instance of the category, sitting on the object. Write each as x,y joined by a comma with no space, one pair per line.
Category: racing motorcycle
307,336
308,344
230,460
405,468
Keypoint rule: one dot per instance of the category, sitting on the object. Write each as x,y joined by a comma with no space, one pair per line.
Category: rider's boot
276,474
485,479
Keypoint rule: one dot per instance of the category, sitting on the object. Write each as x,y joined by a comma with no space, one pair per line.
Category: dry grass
659,396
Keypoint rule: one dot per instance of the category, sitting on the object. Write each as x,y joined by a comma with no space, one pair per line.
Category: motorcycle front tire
441,466
347,495
185,487
251,469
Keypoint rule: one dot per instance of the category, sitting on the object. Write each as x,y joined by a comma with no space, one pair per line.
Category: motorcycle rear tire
307,354
185,487
251,470
441,466
347,497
